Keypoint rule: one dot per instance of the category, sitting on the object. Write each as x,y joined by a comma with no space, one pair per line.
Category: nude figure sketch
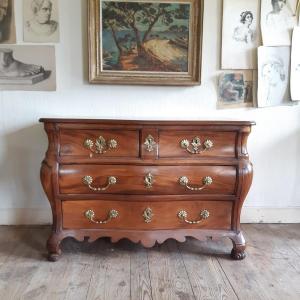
5,21
272,73
10,68
41,26
244,32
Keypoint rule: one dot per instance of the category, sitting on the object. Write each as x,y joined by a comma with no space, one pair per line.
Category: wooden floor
192,270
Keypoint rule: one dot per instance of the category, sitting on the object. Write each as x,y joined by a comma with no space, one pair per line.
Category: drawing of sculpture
11,69
41,23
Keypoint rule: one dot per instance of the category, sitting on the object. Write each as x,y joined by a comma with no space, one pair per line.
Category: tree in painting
145,36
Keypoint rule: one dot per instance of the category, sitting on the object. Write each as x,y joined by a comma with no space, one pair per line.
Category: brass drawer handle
90,215
100,146
149,180
197,146
204,214
184,181
88,180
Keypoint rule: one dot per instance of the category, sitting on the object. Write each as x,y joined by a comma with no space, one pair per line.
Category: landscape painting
145,36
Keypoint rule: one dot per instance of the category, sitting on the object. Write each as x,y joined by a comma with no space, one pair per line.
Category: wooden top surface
148,122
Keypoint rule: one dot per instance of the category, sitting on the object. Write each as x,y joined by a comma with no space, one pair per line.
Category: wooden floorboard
190,270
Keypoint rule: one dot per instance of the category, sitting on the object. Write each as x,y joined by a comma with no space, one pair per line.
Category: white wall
274,145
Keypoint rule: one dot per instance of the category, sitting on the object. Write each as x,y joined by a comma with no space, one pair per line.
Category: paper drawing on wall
7,22
240,34
236,89
273,75
295,65
158,41
27,68
41,21
244,32
278,17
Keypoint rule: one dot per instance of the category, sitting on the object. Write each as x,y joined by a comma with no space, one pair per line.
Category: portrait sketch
240,34
273,76
236,89
295,65
278,18
41,21
30,68
7,22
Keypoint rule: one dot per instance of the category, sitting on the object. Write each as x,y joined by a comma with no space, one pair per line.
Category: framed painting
156,42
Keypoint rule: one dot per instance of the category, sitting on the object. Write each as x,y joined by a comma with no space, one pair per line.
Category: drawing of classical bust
41,24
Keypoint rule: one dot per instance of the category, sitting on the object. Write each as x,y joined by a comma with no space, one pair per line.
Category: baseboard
270,215
27,216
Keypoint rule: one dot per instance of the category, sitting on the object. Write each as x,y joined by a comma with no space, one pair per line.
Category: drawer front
170,180
146,215
196,144
99,143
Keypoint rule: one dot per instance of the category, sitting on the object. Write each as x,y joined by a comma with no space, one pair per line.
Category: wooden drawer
171,144
73,179
118,143
163,215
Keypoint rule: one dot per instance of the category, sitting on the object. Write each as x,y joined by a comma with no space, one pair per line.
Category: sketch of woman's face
248,19
273,73
281,4
278,5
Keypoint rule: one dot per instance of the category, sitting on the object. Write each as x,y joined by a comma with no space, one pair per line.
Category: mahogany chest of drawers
146,181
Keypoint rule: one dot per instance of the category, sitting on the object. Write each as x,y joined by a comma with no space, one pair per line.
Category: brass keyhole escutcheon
148,215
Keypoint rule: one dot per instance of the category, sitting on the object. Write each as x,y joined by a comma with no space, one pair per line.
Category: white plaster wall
274,145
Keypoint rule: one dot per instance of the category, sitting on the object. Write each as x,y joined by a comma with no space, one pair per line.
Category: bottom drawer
96,214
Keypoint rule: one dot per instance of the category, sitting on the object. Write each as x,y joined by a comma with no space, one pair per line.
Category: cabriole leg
53,246
239,246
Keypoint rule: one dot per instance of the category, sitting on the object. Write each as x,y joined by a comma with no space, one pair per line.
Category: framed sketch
278,18
41,21
273,76
7,22
295,65
145,42
240,34
27,68
236,89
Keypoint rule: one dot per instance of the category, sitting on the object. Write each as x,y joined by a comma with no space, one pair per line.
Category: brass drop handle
90,215
183,215
100,145
184,181
197,146
88,180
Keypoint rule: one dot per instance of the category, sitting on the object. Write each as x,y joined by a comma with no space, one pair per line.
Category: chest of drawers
146,181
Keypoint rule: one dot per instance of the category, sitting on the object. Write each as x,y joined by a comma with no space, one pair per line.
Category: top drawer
99,143
197,144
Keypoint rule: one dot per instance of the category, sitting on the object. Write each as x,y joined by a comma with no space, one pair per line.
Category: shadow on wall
21,190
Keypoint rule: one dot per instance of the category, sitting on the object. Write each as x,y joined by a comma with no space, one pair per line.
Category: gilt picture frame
146,42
